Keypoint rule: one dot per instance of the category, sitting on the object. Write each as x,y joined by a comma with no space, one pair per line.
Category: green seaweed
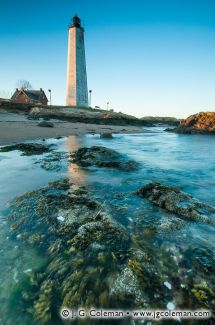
54,161
28,149
92,259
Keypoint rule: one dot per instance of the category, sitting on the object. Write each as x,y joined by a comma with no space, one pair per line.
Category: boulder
200,123
106,136
173,200
102,157
46,124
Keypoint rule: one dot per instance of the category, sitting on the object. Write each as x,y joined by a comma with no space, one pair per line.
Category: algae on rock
175,201
28,149
95,261
103,157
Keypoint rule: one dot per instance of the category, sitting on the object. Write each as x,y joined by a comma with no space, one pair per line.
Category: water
183,161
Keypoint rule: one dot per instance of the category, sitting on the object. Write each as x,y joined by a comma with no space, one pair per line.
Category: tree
25,84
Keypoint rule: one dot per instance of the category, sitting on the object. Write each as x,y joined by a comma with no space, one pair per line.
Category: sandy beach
16,128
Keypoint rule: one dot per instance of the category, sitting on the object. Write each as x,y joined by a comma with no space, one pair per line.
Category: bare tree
25,84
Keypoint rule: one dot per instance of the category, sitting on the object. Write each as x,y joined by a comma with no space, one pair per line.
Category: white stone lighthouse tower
76,87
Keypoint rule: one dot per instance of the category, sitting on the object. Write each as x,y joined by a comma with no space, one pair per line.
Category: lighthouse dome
76,21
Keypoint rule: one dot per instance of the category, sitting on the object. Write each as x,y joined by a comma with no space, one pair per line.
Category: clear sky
146,57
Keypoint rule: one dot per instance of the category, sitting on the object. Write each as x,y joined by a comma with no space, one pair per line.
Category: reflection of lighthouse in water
76,175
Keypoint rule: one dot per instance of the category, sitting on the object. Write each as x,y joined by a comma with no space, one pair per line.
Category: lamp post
50,96
108,105
90,95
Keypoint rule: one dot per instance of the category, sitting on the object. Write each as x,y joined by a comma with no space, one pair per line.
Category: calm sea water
183,161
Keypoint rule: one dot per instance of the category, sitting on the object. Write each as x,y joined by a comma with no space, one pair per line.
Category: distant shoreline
26,130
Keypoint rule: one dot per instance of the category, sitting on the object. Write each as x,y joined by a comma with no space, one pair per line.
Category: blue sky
146,57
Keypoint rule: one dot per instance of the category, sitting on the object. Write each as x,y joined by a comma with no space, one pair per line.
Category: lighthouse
76,86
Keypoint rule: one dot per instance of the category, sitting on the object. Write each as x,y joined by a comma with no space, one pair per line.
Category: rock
127,288
55,161
33,113
176,201
102,157
200,123
72,234
93,260
169,224
35,110
106,136
179,130
160,120
46,124
71,214
28,149
91,116
202,259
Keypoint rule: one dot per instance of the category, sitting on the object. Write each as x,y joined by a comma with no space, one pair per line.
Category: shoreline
12,132
109,219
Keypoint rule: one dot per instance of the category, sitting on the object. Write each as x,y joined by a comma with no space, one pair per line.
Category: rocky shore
87,116
93,259
160,120
84,115
200,123
73,115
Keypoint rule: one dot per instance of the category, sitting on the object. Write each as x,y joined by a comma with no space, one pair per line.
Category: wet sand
16,129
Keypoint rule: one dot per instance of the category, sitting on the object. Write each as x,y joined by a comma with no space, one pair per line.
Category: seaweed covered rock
175,201
203,259
55,161
57,208
28,149
82,242
139,281
102,157
106,136
93,260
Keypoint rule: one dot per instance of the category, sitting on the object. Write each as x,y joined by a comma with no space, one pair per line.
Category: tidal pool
81,237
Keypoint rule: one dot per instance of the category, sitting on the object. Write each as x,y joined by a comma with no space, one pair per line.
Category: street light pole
108,105
90,93
50,96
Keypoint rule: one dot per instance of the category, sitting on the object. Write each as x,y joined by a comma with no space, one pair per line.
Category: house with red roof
30,96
